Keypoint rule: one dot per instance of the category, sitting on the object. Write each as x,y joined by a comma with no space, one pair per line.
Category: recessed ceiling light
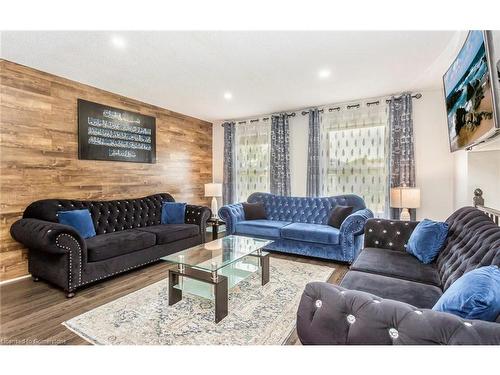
118,41
228,95
324,73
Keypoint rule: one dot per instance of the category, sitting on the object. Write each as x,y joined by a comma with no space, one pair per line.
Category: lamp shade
405,197
213,190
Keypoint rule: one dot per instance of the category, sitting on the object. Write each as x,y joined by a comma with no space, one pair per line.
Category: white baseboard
15,279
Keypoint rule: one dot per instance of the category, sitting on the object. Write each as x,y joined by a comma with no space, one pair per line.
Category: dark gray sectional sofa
129,235
387,295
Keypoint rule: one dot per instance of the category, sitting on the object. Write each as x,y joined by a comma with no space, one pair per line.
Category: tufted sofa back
108,216
304,209
473,241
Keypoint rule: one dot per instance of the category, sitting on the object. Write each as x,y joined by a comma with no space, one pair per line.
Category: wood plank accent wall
39,153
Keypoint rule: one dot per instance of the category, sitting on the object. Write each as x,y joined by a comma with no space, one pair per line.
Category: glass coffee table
209,270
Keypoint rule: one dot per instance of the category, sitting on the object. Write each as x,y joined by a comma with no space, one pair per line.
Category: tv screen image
469,95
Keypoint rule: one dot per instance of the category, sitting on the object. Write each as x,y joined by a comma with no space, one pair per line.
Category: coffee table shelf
209,270
235,273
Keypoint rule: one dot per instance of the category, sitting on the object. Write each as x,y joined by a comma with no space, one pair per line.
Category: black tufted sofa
387,295
129,235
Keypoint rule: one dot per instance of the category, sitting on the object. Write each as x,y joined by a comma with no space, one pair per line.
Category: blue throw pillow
173,213
475,295
81,220
427,239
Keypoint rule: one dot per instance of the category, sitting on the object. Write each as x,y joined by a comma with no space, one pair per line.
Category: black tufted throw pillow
338,215
254,211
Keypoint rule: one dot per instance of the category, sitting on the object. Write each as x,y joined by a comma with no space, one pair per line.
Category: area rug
258,315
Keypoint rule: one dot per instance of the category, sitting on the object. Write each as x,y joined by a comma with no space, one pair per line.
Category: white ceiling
189,72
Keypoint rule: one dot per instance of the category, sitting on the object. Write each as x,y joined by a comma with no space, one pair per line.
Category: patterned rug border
93,341
81,334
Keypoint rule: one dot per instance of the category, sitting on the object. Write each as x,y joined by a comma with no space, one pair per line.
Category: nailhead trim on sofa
80,283
120,271
58,244
41,233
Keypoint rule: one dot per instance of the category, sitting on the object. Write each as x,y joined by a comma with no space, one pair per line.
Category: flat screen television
471,88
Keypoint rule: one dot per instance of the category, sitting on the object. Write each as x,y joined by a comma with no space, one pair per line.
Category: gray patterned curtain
402,154
313,174
228,186
280,155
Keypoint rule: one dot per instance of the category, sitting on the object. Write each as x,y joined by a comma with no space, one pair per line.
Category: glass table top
214,255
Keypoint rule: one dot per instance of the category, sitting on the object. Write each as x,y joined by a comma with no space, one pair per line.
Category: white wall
217,154
299,132
434,162
479,168
217,151
484,172
461,194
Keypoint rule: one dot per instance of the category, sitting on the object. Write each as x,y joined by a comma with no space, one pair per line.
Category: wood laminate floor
32,312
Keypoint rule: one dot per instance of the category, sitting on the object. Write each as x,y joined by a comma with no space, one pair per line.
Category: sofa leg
35,279
70,295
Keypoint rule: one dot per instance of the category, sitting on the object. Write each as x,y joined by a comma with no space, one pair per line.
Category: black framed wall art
108,133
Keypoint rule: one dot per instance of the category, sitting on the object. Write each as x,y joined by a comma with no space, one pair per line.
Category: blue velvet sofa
299,225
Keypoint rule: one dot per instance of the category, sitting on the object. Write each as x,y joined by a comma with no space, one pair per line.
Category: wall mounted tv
471,88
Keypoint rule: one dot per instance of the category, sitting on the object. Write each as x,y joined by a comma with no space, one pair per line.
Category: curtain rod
291,114
331,109
350,106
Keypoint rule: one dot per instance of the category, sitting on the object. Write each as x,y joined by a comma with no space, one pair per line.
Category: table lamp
405,198
213,190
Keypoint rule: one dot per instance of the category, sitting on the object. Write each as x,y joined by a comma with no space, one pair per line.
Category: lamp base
405,215
214,208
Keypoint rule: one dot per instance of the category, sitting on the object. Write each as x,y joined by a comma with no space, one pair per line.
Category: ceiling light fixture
324,73
228,95
118,41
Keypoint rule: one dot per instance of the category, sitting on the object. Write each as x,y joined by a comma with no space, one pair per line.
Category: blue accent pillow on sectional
475,295
173,213
427,239
81,220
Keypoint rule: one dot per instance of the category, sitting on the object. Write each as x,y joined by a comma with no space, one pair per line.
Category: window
252,154
354,154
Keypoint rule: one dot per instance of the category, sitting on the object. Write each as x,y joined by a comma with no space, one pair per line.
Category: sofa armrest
355,223
329,314
46,236
231,214
57,252
388,234
351,230
198,215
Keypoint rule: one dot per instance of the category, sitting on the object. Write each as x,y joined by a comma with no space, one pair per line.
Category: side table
215,222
